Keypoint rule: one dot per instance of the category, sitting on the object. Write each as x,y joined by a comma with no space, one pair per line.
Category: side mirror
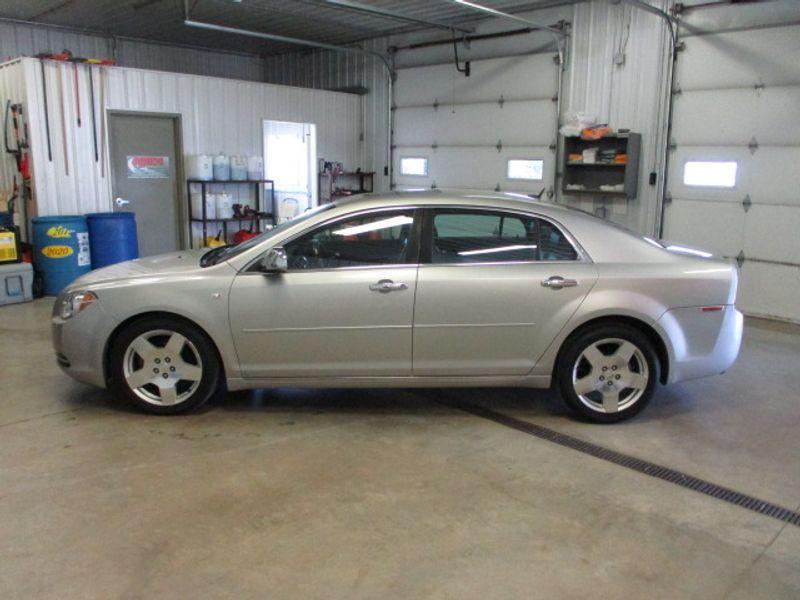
275,261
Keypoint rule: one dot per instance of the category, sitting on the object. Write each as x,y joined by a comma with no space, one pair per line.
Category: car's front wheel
607,373
164,366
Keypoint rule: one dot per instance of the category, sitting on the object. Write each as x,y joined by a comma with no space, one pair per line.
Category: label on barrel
84,258
59,231
57,251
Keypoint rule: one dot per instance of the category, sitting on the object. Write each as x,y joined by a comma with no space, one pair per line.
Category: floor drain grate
636,464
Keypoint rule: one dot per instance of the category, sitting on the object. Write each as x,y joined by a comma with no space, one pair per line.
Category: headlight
69,305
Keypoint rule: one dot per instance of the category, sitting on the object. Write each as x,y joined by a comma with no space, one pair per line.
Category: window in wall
375,239
414,165
481,236
530,169
710,173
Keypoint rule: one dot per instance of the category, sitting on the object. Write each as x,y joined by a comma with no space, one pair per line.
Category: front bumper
79,343
701,343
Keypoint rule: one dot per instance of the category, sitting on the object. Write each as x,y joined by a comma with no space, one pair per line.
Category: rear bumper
701,343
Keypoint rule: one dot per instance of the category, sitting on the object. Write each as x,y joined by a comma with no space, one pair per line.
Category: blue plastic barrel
61,250
112,236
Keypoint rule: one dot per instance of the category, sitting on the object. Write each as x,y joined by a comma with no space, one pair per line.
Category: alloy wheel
610,375
162,367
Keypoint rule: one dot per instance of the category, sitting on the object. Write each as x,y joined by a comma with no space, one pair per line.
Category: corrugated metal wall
20,39
631,95
337,70
217,115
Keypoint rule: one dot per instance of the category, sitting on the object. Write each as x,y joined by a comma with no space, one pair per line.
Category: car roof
453,197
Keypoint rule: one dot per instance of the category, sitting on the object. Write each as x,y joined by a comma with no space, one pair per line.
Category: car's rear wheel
607,373
164,366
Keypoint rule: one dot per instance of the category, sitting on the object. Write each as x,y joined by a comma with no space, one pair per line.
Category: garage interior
449,493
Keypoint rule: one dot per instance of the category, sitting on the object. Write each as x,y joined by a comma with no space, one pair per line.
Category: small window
414,166
374,239
481,236
710,173
525,169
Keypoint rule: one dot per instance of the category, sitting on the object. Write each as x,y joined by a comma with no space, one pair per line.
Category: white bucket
255,167
222,167
238,168
200,166
224,206
197,205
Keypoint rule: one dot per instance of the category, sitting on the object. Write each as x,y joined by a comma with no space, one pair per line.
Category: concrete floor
391,494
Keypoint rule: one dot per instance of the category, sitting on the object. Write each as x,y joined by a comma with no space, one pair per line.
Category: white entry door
290,151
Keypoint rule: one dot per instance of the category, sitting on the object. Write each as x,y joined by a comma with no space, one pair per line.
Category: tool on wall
91,107
77,90
20,152
66,56
46,113
62,111
102,121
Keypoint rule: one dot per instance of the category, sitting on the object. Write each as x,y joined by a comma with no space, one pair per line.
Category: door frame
182,224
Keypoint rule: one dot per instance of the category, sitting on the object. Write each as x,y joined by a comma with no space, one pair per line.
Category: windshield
217,255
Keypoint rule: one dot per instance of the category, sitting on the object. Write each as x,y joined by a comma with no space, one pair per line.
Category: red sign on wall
148,167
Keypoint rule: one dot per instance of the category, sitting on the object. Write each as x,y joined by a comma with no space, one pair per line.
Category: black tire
197,347
591,404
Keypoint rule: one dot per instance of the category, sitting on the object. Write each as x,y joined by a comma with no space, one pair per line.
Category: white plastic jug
200,166
238,168
224,206
255,167
222,167
197,205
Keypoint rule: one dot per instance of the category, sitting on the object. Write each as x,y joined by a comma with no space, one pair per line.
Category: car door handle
557,282
122,202
387,285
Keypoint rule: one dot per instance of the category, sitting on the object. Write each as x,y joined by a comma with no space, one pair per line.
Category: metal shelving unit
593,177
327,184
258,184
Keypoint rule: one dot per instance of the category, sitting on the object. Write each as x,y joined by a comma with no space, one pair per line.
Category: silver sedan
408,289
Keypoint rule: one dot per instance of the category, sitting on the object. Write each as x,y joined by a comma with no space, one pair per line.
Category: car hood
151,266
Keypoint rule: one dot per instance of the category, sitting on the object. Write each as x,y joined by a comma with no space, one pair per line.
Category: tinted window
553,245
375,239
481,236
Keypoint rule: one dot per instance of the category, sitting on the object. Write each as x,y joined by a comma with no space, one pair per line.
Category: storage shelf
596,193
233,219
584,164
594,175
256,220
327,190
229,181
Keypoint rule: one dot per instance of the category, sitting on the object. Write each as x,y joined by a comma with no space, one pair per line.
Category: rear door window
477,236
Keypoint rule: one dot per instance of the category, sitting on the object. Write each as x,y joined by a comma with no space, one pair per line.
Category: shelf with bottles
261,187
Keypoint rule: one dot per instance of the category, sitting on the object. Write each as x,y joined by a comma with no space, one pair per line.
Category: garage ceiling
162,20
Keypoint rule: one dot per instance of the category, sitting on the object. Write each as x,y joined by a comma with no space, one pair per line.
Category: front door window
373,239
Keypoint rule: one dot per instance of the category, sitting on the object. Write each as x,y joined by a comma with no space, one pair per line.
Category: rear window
484,236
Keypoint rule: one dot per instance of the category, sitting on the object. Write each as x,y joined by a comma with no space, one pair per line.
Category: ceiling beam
390,14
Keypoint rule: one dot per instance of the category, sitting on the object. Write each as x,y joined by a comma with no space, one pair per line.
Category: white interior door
737,102
290,151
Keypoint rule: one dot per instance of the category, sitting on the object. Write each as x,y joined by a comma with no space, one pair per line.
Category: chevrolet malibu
428,289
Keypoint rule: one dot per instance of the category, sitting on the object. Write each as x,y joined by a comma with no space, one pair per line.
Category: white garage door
467,129
738,101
